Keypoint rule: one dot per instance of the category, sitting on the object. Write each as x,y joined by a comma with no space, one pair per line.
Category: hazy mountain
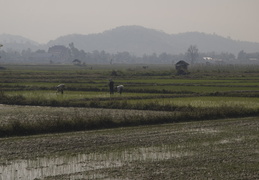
17,43
213,43
134,39
137,40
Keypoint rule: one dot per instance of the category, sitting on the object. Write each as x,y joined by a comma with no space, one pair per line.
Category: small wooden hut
181,67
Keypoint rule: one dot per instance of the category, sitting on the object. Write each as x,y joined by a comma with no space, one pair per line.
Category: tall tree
76,54
1,46
192,53
242,56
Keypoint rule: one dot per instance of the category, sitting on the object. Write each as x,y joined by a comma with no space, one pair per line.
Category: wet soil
220,149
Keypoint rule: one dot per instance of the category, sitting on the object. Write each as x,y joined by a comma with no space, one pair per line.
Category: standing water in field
77,166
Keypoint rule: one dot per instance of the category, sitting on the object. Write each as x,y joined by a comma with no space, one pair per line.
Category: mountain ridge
139,40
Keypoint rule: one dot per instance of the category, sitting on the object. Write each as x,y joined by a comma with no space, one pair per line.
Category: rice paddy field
203,125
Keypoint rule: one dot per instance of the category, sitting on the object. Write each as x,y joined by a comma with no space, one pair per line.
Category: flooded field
73,165
219,149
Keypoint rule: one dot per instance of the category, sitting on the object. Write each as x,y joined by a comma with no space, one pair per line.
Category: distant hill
134,39
214,43
138,41
17,43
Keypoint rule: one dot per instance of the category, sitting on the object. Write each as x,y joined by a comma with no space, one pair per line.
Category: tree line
60,54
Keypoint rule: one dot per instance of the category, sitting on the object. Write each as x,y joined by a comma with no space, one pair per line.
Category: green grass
192,88
75,95
138,98
204,93
206,101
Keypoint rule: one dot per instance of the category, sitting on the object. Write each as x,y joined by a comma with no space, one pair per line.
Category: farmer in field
111,86
60,88
120,88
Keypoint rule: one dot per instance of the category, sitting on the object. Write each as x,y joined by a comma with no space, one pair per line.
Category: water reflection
72,165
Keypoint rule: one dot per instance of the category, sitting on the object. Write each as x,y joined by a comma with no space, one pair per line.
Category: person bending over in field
60,88
120,88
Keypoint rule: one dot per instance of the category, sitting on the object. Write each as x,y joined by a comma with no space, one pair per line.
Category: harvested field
32,114
222,149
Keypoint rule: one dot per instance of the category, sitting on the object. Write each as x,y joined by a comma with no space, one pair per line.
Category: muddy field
222,149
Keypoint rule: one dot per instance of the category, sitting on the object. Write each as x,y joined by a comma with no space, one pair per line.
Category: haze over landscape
42,21
100,30
129,89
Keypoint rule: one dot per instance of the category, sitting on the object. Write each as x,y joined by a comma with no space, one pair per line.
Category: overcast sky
44,20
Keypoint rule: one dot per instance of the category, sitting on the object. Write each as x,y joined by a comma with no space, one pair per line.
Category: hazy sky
44,20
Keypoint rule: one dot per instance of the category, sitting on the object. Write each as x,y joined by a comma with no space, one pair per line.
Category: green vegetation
208,92
203,125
